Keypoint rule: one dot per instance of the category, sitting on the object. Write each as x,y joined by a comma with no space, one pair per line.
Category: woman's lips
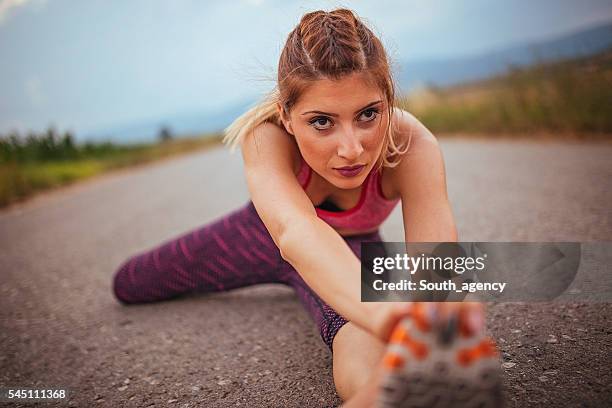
350,171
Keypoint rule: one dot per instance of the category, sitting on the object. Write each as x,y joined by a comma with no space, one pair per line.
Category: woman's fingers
470,315
473,314
391,314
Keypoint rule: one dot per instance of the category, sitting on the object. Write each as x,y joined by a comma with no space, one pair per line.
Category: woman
327,157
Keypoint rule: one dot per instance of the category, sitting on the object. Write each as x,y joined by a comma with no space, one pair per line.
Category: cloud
7,7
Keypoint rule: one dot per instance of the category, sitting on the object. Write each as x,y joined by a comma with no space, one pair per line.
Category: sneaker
429,363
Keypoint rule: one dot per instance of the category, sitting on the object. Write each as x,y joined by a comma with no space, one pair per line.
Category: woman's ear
284,118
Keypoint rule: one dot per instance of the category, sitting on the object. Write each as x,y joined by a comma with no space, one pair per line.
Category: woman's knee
356,356
132,283
120,283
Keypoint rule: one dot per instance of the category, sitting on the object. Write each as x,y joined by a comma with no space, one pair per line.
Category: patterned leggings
231,252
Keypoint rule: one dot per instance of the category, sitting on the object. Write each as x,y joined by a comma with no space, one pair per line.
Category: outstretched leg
230,252
357,369
356,353
326,318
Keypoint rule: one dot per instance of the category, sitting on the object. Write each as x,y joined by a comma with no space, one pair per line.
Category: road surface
61,326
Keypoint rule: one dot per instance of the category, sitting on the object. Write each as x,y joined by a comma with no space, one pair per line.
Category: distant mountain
438,72
450,71
185,124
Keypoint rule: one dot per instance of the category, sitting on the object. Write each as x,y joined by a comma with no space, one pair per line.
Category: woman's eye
320,123
368,115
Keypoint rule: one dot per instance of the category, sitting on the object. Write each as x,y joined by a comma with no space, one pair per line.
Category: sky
88,65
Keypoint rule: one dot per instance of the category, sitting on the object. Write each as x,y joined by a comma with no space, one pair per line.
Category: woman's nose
350,147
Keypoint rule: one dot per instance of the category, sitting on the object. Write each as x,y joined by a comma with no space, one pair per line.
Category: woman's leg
357,357
361,363
433,359
230,252
356,353
326,318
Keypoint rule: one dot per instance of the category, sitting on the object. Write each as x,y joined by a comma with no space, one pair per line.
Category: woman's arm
329,267
311,246
317,251
421,181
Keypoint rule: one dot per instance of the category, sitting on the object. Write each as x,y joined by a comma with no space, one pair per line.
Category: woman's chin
348,183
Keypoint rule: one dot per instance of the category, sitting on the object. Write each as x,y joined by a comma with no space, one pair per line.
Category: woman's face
339,124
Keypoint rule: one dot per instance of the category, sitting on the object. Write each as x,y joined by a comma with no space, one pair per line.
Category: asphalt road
61,326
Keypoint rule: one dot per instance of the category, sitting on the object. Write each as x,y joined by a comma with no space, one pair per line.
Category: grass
564,98
19,180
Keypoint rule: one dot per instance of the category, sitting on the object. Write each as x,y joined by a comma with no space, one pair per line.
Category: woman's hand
388,314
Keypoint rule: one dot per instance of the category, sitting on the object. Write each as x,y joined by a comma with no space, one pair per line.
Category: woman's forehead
345,94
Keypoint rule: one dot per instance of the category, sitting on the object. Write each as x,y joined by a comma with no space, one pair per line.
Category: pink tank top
371,210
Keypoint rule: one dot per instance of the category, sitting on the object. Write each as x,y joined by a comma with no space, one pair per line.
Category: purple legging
231,252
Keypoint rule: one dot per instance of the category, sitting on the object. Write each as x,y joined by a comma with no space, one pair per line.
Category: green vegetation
42,161
565,98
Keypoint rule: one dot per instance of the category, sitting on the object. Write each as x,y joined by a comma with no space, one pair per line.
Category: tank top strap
304,174
376,189
370,184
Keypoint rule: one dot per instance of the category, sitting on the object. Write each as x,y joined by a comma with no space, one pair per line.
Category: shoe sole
426,366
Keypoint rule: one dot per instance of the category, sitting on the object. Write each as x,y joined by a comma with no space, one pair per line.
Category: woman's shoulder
273,141
422,149
409,131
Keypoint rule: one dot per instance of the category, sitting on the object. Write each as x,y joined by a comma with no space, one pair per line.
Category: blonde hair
324,45
264,111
